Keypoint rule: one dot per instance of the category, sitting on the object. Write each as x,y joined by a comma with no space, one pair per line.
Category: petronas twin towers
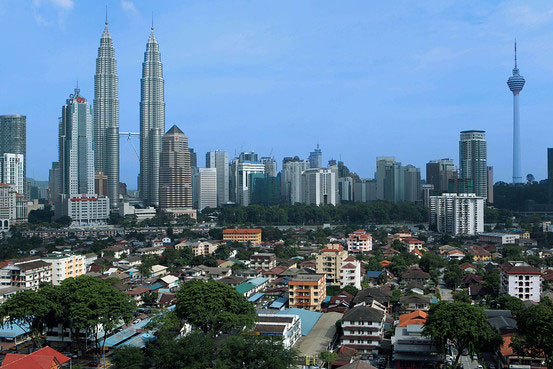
106,119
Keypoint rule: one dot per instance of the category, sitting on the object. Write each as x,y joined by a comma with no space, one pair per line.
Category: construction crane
130,135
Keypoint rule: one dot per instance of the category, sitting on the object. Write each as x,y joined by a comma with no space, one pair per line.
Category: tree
351,289
214,307
128,357
508,302
253,352
430,261
453,276
462,325
193,351
29,309
91,305
461,296
328,357
535,329
492,281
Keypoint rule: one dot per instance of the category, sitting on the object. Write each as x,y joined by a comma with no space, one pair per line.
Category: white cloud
63,4
60,7
128,6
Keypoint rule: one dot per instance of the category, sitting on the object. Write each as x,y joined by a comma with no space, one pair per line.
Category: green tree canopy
214,307
128,357
535,329
253,352
464,326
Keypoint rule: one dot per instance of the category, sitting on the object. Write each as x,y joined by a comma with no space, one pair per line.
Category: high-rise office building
106,117
473,160
345,189
382,162
290,182
76,155
175,177
516,83
219,160
11,171
54,183
412,183
13,138
270,166
455,214
248,156
265,189
316,158
319,186
244,171
207,188
193,158
439,172
152,122
364,190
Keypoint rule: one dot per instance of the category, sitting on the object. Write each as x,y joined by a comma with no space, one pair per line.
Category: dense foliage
516,197
535,329
214,307
378,212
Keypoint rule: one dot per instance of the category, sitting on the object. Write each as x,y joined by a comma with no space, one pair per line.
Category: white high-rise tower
516,83
152,122
106,116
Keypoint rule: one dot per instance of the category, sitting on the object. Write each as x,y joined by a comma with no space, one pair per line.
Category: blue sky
361,78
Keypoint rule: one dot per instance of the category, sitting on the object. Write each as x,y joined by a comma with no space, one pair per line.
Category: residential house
468,268
199,248
412,243
252,286
415,302
455,254
360,241
154,250
363,328
479,253
382,295
263,261
25,274
415,274
412,349
44,358
417,317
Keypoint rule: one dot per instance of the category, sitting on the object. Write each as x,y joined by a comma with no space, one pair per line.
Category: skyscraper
290,182
381,163
516,83
490,185
439,172
152,122
550,174
316,158
412,183
175,177
473,160
76,155
219,160
270,166
13,138
319,186
207,188
106,116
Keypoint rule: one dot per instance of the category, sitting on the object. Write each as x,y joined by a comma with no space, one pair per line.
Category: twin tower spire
106,118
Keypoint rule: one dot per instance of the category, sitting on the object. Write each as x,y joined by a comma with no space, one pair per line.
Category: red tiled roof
45,358
411,240
349,266
417,317
337,249
350,258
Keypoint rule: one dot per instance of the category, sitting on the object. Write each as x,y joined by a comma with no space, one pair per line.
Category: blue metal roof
125,334
374,273
256,297
139,340
257,281
327,299
308,318
155,286
11,331
278,303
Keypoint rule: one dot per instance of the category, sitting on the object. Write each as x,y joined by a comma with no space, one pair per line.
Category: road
444,291
468,363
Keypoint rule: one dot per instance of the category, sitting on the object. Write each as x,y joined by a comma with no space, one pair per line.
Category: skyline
212,99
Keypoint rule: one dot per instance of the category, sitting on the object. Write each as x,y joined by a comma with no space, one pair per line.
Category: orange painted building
307,291
252,235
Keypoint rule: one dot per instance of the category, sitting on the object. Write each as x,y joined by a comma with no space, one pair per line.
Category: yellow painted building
65,266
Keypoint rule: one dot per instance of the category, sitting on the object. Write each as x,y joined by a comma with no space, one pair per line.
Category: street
444,291
467,363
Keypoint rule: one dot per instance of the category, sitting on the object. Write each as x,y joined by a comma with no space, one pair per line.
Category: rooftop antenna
152,21
106,14
515,53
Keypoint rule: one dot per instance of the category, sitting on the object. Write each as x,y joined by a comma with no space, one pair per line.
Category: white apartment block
360,241
287,326
457,214
290,181
501,238
66,266
350,273
86,209
521,280
12,167
13,207
319,186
